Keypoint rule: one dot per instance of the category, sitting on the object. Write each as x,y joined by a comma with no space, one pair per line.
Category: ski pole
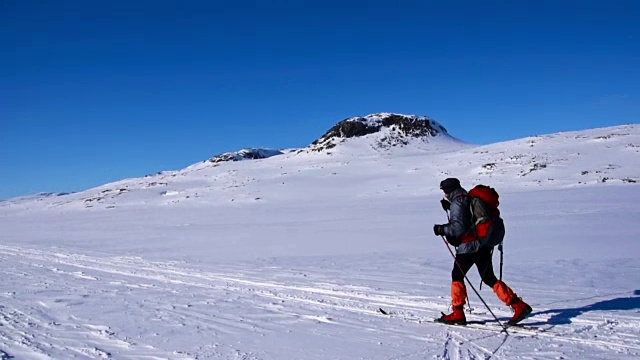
501,259
468,301
459,267
504,329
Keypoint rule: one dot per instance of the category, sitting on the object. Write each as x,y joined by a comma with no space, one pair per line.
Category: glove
438,229
453,240
445,204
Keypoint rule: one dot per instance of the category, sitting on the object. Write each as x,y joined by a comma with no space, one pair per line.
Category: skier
469,251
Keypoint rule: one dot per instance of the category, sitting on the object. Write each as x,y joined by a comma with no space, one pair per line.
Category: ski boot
455,318
520,311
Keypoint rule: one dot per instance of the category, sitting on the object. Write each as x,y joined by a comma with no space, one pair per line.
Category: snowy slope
354,170
244,154
290,257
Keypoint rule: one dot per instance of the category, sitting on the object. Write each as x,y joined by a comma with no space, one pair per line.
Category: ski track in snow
168,303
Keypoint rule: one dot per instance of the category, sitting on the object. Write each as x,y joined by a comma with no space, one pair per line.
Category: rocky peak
394,129
244,154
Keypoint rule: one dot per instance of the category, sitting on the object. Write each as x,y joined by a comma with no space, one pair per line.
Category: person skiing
469,251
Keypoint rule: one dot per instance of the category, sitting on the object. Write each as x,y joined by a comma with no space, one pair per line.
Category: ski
483,325
493,326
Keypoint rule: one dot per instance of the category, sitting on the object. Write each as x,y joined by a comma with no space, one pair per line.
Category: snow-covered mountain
413,152
383,131
291,256
372,134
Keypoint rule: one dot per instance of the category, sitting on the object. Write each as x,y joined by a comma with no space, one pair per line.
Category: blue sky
93,92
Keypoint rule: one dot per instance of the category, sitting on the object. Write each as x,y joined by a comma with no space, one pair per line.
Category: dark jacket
460,222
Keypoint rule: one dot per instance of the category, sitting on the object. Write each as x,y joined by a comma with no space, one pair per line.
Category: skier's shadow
565,316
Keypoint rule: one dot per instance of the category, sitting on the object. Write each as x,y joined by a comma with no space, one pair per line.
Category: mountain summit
362,135
384,130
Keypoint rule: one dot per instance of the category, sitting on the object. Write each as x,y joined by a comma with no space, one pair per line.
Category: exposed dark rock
348,129
402,129
245,154
534,167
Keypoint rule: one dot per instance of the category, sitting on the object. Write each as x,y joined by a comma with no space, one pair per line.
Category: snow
376,120
290,257
243,154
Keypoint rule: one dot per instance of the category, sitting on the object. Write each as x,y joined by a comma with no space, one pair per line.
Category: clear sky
97,91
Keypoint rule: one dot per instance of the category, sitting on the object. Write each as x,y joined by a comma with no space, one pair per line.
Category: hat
449,184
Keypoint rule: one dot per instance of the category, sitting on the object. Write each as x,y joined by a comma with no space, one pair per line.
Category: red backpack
488,227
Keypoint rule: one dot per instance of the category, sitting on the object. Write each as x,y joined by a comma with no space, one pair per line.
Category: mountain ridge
400,129
389,130
591,157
